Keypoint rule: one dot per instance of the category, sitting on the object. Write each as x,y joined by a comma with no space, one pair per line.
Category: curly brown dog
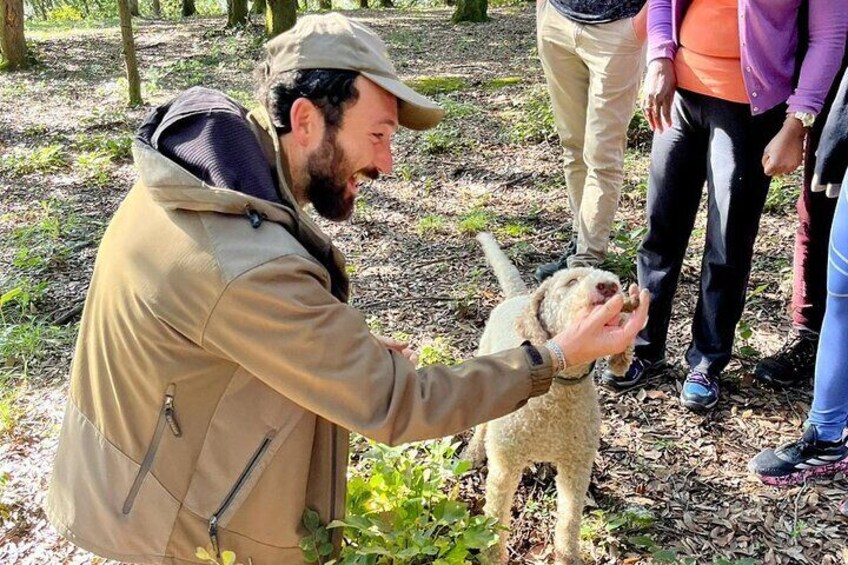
560,427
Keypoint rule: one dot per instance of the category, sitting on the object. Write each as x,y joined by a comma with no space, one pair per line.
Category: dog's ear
529,324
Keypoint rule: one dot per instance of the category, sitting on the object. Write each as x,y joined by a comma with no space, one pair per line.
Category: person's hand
785,152
599,334
400,347
658,96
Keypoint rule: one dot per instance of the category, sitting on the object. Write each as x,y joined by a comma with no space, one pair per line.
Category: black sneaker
547,269
795,462
640,369
795,361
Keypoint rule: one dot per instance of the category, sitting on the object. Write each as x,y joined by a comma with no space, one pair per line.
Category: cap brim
414,111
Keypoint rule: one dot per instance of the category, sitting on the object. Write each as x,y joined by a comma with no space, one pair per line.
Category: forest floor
665,482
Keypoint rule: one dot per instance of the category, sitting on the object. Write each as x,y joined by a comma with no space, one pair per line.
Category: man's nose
384,160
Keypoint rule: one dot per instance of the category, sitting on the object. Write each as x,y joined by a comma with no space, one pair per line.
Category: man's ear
307,123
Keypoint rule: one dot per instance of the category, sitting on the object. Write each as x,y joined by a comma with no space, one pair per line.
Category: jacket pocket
237,486
167,418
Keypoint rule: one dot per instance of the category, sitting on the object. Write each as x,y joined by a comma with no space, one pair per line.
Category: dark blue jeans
719,142
829,412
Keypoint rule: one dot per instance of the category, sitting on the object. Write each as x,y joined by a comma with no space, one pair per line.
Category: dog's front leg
475,451
500,488
572,483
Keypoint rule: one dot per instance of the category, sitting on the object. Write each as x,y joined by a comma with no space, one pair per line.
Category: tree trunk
12,40
133,5
236,13
280,16
387,4
258,7
325,4
157,9
133,80
471,11
187,8
363,3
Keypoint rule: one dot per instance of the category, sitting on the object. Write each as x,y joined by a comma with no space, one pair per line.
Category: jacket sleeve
660,38
280,323
832,153
828,29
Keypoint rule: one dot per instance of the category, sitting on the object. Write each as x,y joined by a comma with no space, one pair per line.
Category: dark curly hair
331,90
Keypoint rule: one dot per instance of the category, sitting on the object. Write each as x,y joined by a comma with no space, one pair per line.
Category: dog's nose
607,289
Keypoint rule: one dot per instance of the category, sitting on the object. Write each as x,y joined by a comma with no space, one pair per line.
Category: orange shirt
708,60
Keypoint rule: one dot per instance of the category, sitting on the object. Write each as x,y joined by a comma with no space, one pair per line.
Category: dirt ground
416,270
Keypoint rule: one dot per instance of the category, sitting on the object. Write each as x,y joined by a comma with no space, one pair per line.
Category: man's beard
328,177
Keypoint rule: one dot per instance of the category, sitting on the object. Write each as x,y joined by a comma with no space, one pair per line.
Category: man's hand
785,152
599,334
658,95
402,348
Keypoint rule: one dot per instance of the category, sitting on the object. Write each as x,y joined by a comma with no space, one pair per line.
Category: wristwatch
806,118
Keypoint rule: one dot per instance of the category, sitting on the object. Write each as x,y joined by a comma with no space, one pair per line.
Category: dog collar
559,379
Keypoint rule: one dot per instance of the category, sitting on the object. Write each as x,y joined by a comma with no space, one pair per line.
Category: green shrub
783,194
437,351
64,13
403,509
621,258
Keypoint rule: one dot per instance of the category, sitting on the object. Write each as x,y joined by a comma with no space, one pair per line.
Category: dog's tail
506,273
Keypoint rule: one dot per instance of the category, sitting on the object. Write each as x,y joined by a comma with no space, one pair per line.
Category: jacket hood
172,185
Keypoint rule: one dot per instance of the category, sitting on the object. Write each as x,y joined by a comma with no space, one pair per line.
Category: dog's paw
620,362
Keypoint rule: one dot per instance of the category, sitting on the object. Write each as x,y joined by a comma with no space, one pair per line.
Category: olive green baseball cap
332,41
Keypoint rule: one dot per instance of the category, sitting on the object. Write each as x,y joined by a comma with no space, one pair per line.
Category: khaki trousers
593,74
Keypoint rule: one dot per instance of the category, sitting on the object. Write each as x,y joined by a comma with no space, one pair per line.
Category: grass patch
117,146
444,139
475,221
457,110
515,229
11,410
431,224
243,97
25,161
502,82
95,167
531,119
432,85
30,340
48,236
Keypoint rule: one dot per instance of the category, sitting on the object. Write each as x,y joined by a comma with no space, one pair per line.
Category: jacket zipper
213,521
333,481
167,415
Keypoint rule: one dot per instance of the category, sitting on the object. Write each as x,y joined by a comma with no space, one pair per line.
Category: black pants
719,142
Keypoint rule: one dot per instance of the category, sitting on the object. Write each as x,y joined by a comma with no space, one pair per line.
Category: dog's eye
572,282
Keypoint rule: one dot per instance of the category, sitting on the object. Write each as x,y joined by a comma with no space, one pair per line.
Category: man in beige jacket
218,366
